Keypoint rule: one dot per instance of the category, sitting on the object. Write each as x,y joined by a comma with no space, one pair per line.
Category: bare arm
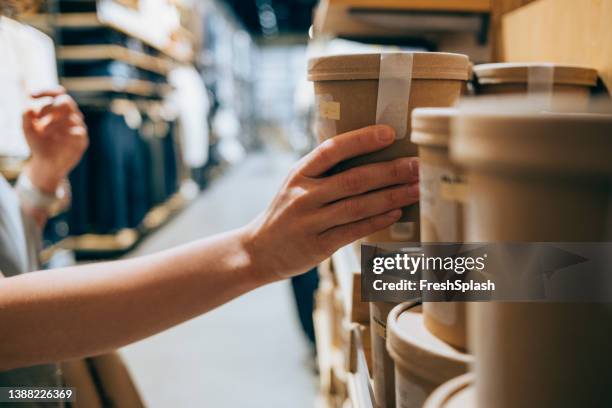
60,314
64,313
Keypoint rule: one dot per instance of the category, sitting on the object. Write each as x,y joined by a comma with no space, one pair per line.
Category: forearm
66,313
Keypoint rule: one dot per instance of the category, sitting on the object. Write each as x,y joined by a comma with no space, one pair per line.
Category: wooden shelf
177,49
121,241
347,270
561,31
477,6
136,87
388,18
108,245
46,22
114,52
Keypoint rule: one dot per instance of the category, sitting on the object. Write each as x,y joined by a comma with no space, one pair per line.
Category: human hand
57,137
314,214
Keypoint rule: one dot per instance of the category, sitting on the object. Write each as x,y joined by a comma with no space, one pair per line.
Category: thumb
28,118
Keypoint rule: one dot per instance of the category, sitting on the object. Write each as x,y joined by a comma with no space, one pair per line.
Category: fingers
344,146
57,91
367,205
61,105
343,235
370,177
63,126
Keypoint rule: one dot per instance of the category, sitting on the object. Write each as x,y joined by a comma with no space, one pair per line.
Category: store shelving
342,331
115,52
110,245
137,87
178,48
560,31
396,18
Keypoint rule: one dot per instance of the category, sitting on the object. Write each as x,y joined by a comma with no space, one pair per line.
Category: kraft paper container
456,393
383,375
422,361
566,81
538,178
442,186
348,85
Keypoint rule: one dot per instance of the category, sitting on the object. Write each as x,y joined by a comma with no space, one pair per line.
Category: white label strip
540,84
394,82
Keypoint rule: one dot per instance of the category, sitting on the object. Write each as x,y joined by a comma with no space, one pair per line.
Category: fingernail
414,166
385,134
414,190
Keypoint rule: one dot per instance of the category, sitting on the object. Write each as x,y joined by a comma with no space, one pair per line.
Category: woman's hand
313,214
57,137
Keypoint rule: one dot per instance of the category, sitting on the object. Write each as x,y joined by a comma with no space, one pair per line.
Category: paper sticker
329,110
325,127
453,190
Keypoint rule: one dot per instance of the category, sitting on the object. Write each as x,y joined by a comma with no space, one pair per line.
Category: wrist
261,268
42,177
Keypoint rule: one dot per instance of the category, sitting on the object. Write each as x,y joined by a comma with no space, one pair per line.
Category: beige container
442,187
456,393
347,87
537,179
422,361
383,374
564,82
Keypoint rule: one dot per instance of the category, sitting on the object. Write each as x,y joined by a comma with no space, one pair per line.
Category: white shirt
28,65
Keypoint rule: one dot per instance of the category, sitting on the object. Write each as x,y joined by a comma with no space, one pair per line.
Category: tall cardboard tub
422,361
562,83
442,186
354,91
543,178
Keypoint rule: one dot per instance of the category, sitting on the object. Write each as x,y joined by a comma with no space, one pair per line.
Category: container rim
577,143
518,73
432,126
407,352
445,392
427,65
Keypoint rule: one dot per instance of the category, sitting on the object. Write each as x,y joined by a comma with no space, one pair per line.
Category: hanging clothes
191,99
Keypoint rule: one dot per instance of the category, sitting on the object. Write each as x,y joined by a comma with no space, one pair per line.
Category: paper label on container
325,111
394,83
453,189
441,197
329,110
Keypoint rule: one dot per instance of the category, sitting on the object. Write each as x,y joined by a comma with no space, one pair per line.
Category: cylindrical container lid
516,73
413,346
426,65
456,393
432,126
546,142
